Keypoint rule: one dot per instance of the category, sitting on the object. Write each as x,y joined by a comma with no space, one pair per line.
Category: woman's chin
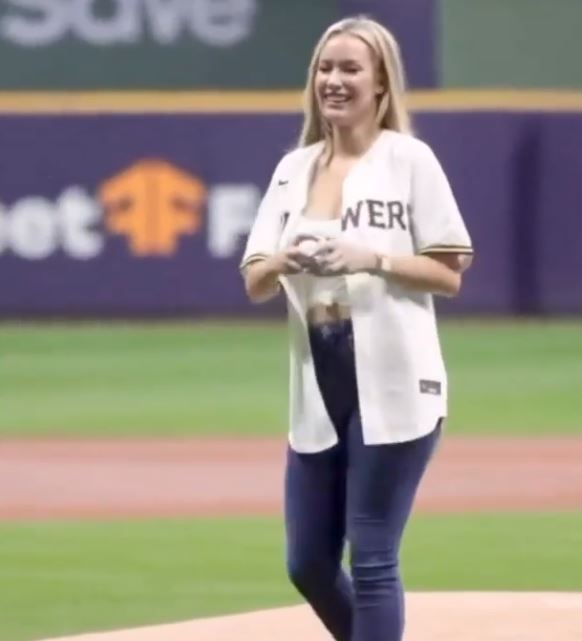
337,118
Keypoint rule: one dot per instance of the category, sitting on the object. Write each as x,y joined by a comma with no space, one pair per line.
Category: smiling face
347,83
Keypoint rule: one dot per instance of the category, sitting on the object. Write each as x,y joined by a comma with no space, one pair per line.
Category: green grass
517,378
232,379
64,578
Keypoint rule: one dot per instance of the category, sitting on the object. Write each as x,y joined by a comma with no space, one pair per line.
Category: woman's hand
262,276
291,260
336,257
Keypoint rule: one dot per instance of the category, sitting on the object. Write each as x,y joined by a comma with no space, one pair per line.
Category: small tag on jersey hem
430,387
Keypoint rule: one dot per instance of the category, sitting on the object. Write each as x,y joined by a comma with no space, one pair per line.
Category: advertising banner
127,214
189,44
416,27
556,203
137,215
159,44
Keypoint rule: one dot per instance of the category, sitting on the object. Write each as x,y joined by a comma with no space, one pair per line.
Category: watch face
385,264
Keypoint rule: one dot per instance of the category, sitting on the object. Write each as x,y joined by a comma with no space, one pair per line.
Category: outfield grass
64,578
215,379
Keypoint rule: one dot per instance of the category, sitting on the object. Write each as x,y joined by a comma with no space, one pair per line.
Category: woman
360,227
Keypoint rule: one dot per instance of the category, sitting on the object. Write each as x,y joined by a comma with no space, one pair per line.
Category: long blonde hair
392,112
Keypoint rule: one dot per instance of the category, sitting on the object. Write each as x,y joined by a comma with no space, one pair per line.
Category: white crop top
324,290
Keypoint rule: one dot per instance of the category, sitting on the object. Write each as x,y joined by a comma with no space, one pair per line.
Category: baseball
309,246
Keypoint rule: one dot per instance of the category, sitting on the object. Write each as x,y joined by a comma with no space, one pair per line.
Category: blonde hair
392,112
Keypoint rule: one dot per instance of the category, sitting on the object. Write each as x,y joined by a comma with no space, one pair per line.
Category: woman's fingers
336,267
293,266
293,252
328,259
326,246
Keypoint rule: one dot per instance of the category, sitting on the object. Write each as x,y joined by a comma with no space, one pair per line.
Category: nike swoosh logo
282,182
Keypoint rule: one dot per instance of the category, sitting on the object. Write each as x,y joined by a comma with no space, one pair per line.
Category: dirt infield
157,477
143,478
473,616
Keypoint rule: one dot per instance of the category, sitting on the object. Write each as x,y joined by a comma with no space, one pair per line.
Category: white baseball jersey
397,201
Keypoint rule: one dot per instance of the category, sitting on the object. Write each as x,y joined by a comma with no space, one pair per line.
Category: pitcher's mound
444,616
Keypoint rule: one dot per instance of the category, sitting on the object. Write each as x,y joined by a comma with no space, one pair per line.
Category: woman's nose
334,78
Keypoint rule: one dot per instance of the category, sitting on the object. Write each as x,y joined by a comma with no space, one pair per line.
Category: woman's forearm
262,280
422,273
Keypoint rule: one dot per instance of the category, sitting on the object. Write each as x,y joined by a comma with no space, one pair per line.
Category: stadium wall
127,214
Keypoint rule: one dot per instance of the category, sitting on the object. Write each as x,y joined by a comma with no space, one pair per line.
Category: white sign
41,23
34,228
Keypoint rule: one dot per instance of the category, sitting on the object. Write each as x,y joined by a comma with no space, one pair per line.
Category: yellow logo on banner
154,204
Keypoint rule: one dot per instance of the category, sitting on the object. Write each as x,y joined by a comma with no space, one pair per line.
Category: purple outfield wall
147,215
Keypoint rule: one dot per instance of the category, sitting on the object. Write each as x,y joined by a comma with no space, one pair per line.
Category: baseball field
140,467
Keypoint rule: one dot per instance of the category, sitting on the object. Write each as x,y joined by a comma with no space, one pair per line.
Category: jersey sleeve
266,230
437,225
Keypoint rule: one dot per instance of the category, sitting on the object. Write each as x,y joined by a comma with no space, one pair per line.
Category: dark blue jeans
362,493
